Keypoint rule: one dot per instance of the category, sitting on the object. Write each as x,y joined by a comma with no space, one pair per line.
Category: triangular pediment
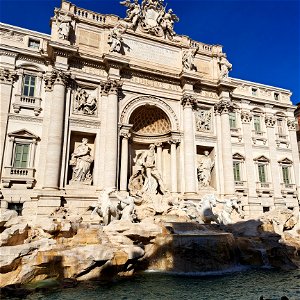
23,133
238,156
262,158
286,161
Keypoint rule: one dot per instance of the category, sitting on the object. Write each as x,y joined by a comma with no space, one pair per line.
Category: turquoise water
243,285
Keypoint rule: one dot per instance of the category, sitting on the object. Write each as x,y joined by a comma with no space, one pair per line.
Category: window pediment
285,161
23,133
262,158
238,156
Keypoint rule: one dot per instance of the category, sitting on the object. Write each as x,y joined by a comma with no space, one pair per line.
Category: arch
257,110
29,66
133,104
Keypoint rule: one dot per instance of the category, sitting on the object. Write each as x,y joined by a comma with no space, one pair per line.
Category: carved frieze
11,35
246,116
203,120
84,103
291,124
270,121
224,107
188,101
7,76
85,123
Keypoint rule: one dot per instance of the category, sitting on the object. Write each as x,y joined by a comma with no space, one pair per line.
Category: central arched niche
149,120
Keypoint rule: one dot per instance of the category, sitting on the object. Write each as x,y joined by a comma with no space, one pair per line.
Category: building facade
79,108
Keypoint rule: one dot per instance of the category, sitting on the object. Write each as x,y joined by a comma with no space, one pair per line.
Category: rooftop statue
115,39
151,17
188,59
225,66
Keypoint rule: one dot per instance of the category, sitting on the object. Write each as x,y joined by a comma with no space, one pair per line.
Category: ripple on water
245,285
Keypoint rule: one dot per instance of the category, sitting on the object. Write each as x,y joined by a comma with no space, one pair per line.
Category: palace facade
79,108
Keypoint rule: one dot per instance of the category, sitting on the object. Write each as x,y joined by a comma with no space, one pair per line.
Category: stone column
274,171
55,82
7,79
173,144
124,160
32,153
9,152
188,103
159,157
111,88
223,108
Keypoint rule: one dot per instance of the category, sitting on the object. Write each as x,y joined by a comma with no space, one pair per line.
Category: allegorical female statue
81,161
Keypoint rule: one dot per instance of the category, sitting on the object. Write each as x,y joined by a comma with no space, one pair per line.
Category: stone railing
288,188
264,188
240,183
18,175
204,47
281,136
27,102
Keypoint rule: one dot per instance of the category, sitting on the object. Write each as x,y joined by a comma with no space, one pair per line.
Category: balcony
236,133
264,188
258,137
18,175
241,187
27,103
288,189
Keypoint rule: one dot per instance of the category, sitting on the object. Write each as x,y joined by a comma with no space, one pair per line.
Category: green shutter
236,171
257,124
262,173
21,156
286,174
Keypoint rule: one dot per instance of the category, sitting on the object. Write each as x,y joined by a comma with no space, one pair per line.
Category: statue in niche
229,205
225,66
81,161
115,39
204,169
84,103
203,120
146,177
133,13
188,59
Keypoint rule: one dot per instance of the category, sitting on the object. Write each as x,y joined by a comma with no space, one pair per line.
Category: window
280,127
29,83
254,92
232,119
262,173
286,174
18,207
276,96
34,44
21,157
266,209
257,123
237,170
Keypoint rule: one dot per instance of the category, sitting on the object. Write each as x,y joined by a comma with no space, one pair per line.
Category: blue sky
261,37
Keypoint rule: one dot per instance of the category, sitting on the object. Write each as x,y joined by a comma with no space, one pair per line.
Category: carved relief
11,35
81,161
246,117
291,124
7,76
203,120
188,101
270,121
224,106
84,103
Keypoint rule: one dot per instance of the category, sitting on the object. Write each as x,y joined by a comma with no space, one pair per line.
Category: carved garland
291,124
142,100
270,121
246,117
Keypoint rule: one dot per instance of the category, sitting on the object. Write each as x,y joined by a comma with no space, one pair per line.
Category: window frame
30,87
14,156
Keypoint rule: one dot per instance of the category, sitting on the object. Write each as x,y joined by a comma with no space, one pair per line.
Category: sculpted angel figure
167,23
188,59
133,12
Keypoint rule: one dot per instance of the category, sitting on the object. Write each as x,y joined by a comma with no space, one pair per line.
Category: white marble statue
133,12
188,59
229,205
225,67
126,207
84,103
204,169
105,208
205,209
167,23
81,161
115,39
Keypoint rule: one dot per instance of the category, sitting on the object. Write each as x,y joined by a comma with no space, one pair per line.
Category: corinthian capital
246,116
224,107
56,77
188,101
110,86
291,124
270,121
8,76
